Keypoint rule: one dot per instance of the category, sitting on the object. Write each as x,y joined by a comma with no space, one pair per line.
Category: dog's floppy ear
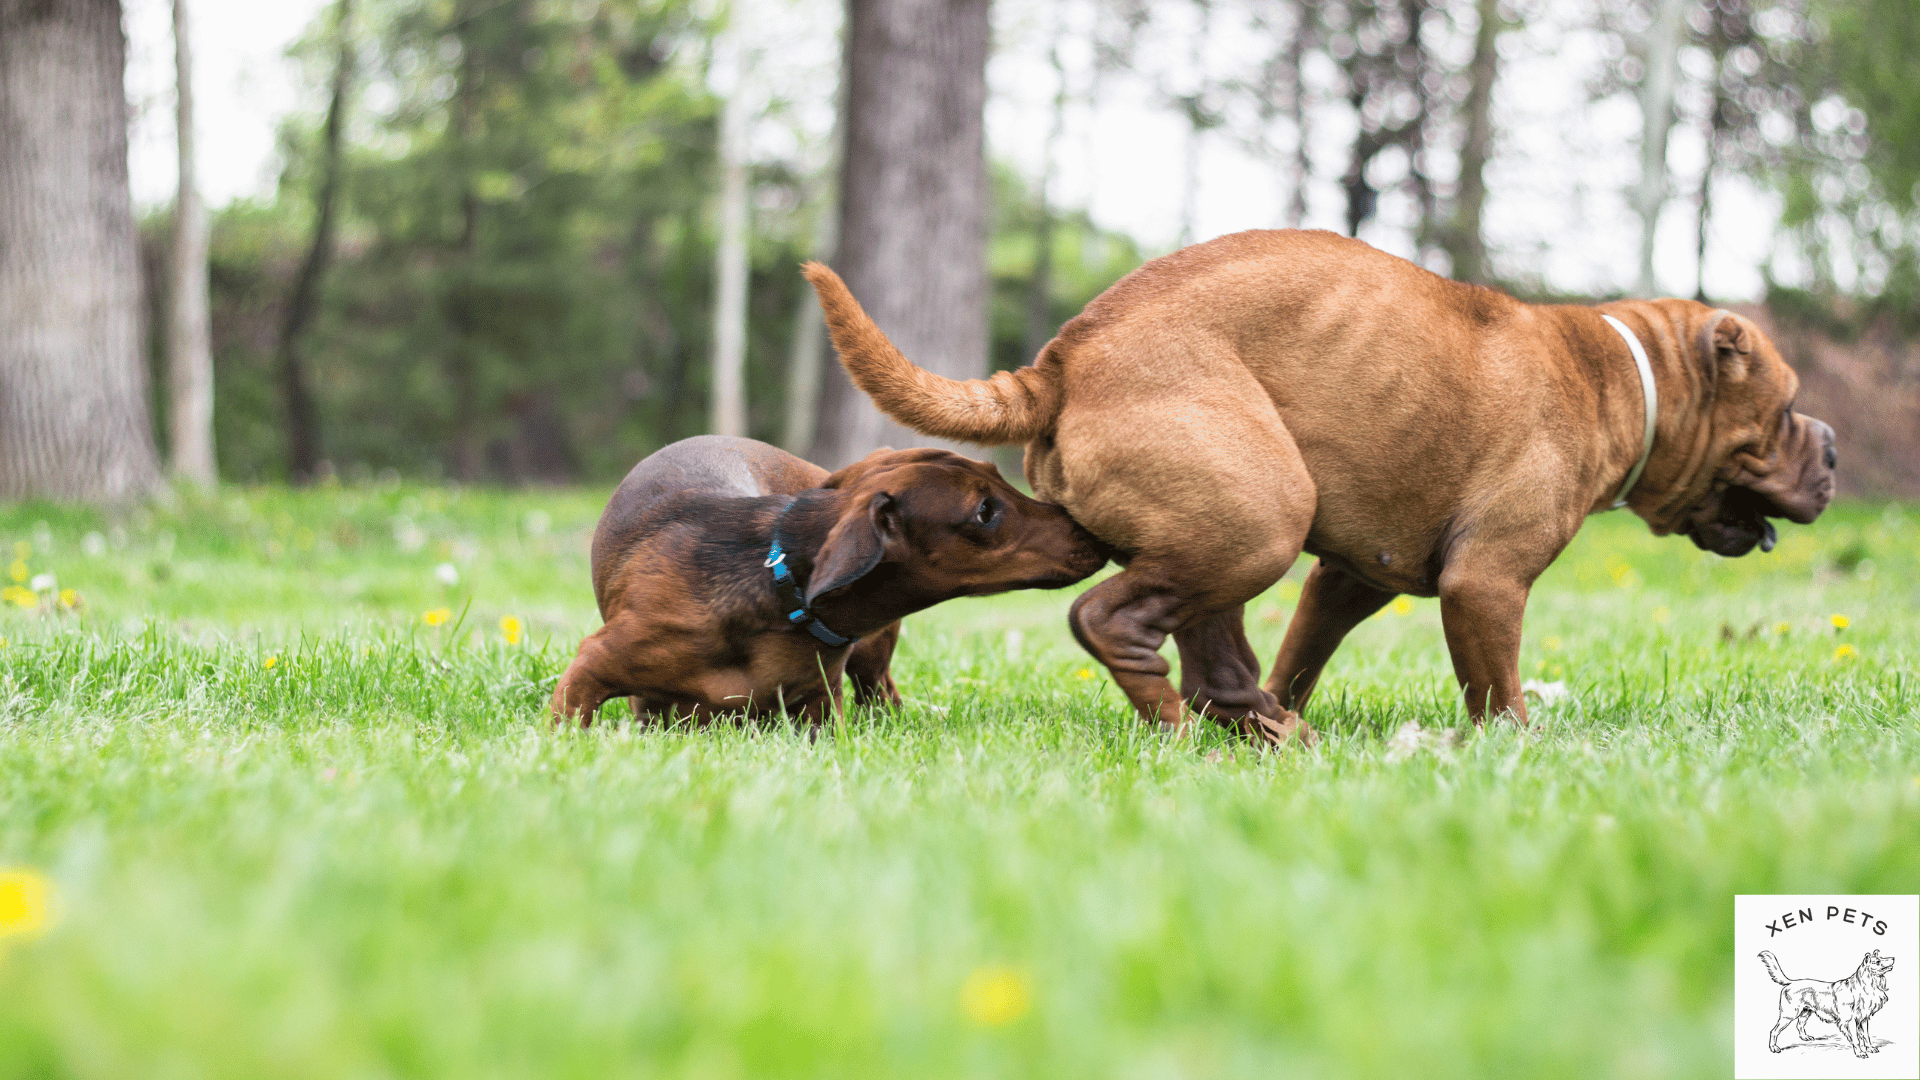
1725,346
854,546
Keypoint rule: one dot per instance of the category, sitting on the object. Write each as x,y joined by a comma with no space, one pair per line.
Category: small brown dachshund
735,577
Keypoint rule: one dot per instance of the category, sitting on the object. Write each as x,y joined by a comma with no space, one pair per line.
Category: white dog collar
1653,407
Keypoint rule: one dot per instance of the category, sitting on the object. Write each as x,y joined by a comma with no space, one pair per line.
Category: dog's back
690,476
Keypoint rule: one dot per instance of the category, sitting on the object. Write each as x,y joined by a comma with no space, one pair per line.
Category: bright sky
1557,208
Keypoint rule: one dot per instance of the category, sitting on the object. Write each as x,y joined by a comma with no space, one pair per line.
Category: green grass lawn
293,830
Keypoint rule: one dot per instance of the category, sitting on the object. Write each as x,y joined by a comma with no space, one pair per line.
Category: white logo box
1824,938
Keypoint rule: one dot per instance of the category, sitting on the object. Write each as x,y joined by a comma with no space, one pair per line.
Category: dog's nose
1831,456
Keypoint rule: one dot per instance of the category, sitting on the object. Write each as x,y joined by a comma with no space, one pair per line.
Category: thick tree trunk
730,270
913,205
74,410
189,334
303,429
1463,240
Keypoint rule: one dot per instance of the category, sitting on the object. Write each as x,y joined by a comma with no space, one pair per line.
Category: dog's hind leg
1212,502
1332,603
1220,678
1786,1019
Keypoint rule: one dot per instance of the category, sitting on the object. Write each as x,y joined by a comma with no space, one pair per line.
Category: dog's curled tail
1010,407
1773,968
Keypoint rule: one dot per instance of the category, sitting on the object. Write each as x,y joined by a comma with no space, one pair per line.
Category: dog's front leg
581,690
870,667
1480,609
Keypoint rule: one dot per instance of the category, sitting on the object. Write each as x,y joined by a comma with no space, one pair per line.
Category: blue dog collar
788,592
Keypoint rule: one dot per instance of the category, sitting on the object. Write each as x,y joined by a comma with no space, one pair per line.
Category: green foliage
1874,57
1851,182
522,288
373,858
527,263
1086,259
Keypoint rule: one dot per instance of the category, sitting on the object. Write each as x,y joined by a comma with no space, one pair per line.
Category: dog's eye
989,510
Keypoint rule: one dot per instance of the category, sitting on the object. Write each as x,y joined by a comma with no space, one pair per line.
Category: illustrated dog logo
1848,1004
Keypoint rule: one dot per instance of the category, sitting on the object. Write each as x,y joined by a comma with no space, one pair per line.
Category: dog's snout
1831,456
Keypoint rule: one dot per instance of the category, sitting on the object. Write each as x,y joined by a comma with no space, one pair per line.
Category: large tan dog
1230,405
1848,1004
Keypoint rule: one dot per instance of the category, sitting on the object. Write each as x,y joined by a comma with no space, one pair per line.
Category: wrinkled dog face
1774,462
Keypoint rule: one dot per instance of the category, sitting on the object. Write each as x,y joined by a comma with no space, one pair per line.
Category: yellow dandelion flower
19,596
1840,622
1084,673
1844,653
18,571
269,662
437,616
1402,605
1662,616
1552,644
69,598
3,643
24,902
993,996
510,629
1782,628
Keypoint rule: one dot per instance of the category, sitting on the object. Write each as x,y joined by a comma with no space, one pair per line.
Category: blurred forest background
512,238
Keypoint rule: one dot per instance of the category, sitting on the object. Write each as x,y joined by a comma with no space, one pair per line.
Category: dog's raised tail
1773,968
1010,407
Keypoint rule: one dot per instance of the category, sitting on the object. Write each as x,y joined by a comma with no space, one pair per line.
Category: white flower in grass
1547,692
43,583
448,575
1411,739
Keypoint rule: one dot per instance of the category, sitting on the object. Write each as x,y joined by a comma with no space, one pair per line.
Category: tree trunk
461,288
189,335
809,326
303,431
1462,239
1416,64
1195,106
1297,114
74,407
1703,214
730,263
913,204
1039,324
1656,113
